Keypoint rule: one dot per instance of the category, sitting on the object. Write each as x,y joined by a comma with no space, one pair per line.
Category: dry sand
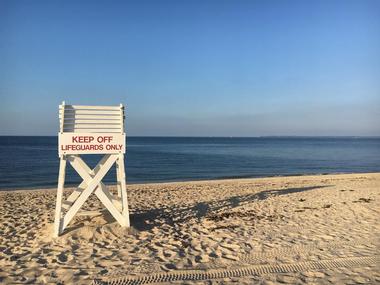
225,229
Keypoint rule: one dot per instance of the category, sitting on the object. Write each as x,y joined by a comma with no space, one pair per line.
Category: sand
290,230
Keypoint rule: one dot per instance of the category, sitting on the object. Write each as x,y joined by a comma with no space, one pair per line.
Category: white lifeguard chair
91,130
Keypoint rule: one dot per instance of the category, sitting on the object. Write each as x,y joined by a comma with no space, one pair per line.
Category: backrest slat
91,119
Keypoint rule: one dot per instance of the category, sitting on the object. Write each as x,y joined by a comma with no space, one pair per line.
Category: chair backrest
91,119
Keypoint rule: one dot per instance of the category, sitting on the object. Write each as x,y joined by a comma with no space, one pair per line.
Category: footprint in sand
62,257
363,200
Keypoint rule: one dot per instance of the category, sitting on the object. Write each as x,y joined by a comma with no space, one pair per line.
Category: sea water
31,162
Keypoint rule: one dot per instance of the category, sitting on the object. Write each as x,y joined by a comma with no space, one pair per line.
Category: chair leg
124,197
58,208
118,178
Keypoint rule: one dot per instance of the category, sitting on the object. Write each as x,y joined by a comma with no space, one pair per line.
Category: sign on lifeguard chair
91,130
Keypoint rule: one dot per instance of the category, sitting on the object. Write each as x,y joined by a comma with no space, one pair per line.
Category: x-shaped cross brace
92,183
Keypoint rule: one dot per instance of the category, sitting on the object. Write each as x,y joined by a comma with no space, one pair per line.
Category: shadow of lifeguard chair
91,130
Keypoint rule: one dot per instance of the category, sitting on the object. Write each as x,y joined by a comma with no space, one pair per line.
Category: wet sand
292,230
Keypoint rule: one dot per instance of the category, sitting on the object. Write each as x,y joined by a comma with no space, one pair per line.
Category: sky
194,68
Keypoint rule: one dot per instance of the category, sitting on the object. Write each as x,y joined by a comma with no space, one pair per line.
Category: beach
321,229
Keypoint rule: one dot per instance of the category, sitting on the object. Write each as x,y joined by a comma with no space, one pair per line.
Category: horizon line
181,136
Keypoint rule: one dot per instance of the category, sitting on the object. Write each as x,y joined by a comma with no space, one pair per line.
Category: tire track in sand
250,270
246,266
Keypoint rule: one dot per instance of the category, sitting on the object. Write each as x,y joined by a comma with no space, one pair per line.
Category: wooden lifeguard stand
91,130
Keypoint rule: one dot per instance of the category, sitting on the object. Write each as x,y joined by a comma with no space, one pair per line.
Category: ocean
32,162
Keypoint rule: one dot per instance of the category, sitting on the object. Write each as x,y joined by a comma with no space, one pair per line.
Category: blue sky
194,68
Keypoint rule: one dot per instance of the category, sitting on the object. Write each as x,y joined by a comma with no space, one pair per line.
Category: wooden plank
91,121
91,126
91,116
62,116
96,122
124,197
122,116
91,107
118,178
100,112
58,208
94,131
90,112
89,213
